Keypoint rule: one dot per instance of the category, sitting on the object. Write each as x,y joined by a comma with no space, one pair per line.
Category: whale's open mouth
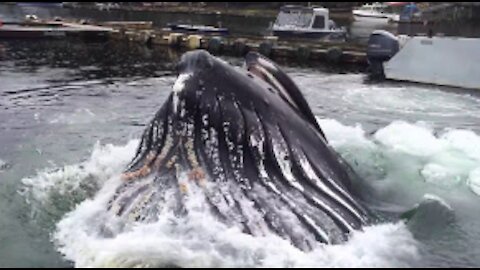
249,144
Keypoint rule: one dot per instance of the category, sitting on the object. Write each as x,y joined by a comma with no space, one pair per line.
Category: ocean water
71,115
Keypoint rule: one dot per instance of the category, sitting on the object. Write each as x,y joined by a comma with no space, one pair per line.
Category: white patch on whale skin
178,87
266,63
283,160
180,82
257,142
307,168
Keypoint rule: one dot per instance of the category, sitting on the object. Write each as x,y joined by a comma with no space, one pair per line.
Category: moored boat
439,60
307,22
379,12
201,29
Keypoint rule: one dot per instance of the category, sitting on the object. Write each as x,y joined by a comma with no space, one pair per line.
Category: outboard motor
382,46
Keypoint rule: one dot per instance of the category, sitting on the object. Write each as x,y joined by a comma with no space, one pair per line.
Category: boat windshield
301,19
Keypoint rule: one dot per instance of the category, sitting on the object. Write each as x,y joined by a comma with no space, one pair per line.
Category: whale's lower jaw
226,142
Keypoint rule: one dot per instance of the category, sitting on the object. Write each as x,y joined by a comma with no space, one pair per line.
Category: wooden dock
52,29
299,49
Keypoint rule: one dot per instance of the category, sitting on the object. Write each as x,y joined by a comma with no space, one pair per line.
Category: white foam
199,240
409,152
90,236
73,180
401,152
465,141
409,139
340,135
474,181
354,146
440,175
80,116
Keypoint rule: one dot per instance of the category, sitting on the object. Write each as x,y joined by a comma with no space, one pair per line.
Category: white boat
376,12
439,60
306,22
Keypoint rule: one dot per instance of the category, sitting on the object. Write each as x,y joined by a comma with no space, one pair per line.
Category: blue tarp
408,11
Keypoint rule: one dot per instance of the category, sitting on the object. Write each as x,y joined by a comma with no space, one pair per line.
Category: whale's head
246,139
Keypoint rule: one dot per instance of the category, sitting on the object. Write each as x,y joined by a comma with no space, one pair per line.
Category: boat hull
337,35
386,18
52,30
448,61
198,29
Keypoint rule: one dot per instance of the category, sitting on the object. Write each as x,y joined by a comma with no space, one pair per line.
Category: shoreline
342,14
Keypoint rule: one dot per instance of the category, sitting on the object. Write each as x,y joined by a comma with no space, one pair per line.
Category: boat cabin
299,17
306,22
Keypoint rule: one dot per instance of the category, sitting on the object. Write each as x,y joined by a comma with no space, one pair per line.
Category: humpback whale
244,141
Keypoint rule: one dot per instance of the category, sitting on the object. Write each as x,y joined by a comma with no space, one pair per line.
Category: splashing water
53,192
3,165
410,151
400,154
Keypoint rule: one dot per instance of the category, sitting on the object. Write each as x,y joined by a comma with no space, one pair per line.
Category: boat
200,29
438,60
33,28
378,12
40,4
306,22
107,6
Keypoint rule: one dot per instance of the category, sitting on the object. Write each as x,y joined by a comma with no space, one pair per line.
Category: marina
191,37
